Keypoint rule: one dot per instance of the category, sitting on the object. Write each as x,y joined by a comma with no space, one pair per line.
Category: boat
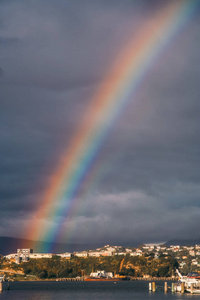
121,278
193,275
191,283
105,276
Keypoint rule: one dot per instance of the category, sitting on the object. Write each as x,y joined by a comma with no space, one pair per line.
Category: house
81,254
66,255
94,253
40,255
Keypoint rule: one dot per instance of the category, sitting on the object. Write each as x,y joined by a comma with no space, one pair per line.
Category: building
66,255
24,251
94,253
40,255
101,274
23,255
81,254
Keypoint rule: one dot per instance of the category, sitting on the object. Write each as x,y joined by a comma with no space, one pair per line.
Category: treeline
128,265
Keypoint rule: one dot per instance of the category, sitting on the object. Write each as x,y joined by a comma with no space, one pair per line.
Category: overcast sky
53,56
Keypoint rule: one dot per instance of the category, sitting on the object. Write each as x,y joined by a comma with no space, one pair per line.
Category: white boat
191,283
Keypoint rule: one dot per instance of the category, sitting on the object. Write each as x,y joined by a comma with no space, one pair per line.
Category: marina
142,289
188,284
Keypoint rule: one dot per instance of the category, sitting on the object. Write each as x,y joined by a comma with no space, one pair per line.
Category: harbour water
137,290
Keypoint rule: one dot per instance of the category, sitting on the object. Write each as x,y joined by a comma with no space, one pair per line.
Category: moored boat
106,279
105,276
191,283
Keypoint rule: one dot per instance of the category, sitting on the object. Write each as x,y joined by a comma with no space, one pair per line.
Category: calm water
88,290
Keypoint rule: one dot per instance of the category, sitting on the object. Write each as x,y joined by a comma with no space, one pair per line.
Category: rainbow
116,91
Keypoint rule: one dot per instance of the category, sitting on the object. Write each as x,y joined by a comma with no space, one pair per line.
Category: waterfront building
101,274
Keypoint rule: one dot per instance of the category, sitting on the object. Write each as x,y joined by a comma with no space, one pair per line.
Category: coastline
99,279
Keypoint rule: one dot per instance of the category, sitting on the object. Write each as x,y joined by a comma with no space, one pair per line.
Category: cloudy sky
146,176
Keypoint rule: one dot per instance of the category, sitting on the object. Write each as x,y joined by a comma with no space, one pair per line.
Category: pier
153,287
174,288
153,278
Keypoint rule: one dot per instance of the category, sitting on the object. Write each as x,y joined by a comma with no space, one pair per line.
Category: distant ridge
183,242
10,245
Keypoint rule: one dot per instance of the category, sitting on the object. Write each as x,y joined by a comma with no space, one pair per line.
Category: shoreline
102,280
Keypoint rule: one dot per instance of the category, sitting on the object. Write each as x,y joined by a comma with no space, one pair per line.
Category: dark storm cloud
136,216
52,37
53,57
1,72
